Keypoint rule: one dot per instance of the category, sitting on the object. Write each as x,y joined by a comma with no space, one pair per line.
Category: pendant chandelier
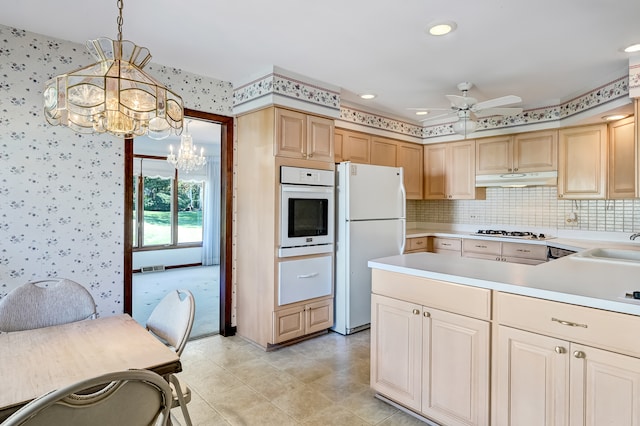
188,158
114,95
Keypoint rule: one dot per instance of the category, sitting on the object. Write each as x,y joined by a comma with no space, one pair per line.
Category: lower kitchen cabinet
415,245
544,377
431,361
300,320
530,254
449,246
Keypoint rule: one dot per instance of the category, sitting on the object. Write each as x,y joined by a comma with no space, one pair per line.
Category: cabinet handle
579,354
560,350
311,275
569,323
523,250
479,246
445,244
416,312
419,243
427,314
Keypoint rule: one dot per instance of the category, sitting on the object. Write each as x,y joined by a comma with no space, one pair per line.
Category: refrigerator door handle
404,238
404,203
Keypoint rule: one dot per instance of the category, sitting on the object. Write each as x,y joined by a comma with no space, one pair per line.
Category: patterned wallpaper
533,207
61,194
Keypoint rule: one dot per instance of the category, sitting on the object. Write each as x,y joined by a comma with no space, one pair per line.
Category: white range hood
517,180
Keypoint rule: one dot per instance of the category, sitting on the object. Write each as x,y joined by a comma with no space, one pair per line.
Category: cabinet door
396,350
622,159
291,133
605,388
356,147
482,249
461,171
409,157
532,379
318,316
535,152
455,373
435,161
582,162
494,155
417,244
383,152
320,133
288,324
338,138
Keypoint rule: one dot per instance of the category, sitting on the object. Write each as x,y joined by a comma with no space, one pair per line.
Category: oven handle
311,275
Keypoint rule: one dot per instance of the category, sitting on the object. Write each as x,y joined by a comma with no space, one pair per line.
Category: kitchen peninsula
465,341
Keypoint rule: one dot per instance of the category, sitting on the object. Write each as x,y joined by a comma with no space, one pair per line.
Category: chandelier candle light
188,158
114,95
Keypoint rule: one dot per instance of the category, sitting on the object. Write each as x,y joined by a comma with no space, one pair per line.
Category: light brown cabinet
409,157
302,319
431,360
623,156
384,152
443,245
415,245
523,153
546,375
299,135
582,162
449,172
352,146
502,251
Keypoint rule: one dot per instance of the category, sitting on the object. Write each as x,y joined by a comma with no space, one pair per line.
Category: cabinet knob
310,155
416,312
579,354
426,314
560,350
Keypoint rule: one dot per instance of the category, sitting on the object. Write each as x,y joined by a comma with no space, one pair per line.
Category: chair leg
183,405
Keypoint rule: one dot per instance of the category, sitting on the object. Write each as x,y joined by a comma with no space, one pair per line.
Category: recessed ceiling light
367,96
633,48
441,28
422,112
614,117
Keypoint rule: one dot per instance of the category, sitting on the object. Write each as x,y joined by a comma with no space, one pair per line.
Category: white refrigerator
370,223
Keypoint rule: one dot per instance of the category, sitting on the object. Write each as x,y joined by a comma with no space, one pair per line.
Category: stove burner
514,234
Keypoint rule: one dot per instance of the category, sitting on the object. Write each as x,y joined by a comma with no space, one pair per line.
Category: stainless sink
610,255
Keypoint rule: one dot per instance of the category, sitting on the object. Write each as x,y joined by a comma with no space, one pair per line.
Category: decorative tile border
634,77
286,86
376,121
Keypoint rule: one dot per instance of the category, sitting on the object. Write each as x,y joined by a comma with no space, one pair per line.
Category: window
166,211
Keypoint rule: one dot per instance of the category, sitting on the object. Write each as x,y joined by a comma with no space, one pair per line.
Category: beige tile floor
321,381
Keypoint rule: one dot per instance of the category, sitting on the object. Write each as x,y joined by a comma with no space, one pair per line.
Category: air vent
155,268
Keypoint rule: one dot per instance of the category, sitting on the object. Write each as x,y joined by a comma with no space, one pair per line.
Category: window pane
157,211
190,212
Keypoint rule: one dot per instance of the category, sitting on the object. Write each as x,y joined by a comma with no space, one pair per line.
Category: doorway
175,250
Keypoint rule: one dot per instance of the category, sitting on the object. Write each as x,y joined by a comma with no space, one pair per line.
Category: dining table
35,362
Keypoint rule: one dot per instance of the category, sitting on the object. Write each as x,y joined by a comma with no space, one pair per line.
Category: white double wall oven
306,240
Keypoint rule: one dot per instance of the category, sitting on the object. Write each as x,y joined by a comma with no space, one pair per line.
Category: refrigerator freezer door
364,240
373,192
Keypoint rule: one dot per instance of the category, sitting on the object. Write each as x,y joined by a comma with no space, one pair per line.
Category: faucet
634,236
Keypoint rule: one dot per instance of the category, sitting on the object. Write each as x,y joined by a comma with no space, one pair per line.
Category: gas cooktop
512,234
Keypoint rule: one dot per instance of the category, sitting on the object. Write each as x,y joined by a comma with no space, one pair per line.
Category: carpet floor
202,281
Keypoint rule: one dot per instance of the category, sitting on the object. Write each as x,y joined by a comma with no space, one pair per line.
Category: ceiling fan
464,109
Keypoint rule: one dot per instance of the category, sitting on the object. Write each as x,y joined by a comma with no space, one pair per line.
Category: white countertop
571,279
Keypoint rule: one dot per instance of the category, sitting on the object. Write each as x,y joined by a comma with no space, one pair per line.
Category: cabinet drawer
527,251
304,279
447,244
481,247
416,244
594,327
465,300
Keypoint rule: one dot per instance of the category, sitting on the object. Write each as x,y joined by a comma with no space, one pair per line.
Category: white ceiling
545,51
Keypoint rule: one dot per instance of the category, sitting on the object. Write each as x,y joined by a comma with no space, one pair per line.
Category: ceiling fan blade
449,117
462,102
487,112
429,109
497,102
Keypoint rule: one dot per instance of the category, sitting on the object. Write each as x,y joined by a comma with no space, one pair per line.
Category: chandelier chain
120,20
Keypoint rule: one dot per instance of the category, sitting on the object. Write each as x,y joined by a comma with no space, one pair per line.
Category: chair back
132,397
45,303
172,318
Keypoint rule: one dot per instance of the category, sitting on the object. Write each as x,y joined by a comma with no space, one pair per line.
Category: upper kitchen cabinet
352,146
449,171
623,155
410,157
384,152
299,135
582,162
521,153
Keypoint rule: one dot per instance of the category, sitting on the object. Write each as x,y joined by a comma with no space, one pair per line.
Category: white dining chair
171,321
44,303
131,397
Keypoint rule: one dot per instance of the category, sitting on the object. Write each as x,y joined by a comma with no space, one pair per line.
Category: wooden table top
34,362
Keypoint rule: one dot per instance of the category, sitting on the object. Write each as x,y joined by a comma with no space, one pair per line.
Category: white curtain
211,217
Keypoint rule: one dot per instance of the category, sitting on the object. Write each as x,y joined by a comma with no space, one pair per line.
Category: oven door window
308,217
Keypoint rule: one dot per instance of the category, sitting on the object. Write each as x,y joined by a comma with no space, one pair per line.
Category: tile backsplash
535,207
